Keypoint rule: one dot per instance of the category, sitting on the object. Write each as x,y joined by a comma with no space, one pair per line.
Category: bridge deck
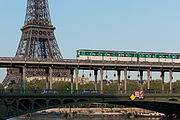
87,64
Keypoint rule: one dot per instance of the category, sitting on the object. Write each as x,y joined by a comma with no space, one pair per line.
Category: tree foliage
1,86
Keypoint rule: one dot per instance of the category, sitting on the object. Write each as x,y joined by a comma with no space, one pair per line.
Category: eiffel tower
37,41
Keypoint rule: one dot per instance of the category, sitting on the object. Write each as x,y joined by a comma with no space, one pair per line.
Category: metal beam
119,80
148,78
162,77
101,75
141,79
170,80
125,80
71,74
76,73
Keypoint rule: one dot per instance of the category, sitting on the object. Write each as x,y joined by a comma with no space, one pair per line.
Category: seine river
119,118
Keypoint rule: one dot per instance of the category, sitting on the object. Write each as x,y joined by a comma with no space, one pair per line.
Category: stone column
141,80
76,73
148,78
72,73
50,77
162,76
47,75
101,74
24,78
125,80
95,77
170,81
119,80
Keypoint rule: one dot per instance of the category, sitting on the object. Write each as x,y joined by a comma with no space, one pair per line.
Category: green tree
154,84
1,86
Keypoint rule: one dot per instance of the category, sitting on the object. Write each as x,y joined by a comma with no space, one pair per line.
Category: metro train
107,55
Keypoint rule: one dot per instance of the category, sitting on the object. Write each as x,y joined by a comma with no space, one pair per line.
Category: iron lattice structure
37,41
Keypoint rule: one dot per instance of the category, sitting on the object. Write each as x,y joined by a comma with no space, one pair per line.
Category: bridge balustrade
60,92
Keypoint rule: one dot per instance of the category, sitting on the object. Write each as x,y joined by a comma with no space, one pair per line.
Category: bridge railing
87,61
74,92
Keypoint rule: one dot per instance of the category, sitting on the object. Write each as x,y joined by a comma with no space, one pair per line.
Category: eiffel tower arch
37,42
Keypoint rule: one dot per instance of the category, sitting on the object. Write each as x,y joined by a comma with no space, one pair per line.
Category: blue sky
140,25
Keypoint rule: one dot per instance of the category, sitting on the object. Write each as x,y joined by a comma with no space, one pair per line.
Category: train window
83,53
120,54
146,56
152,55
132,55
102,53
111,54
95,54
80,53
173,56
177,56
165,56
87,53
123,54
116,54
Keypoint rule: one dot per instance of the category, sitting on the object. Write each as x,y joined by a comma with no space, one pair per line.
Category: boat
149,115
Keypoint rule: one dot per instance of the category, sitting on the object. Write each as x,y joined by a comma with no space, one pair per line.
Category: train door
138,55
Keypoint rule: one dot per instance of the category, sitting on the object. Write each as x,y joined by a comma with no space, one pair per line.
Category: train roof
159,53
105,51
127,51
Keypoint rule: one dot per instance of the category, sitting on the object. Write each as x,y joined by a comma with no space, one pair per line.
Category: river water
107,118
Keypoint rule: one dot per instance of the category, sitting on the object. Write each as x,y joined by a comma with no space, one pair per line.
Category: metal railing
86,61
80,92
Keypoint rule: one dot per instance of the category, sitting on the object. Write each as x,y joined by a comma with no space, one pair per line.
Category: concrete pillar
141,80
148,78
76,73
47,75
162,76
119,80
170,79
50,76
24,78
125,80
72,73
101,74
95,77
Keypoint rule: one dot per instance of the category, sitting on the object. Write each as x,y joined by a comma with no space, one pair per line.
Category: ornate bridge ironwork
15,104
